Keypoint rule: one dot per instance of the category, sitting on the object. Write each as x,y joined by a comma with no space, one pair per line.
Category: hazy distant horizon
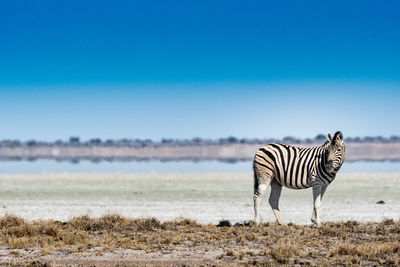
222,138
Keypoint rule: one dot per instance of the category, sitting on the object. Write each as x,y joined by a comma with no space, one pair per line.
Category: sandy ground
96,257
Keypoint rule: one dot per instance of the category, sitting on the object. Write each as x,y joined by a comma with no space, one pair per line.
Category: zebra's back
290,166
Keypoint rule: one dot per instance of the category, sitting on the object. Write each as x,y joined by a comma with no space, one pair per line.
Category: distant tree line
75,141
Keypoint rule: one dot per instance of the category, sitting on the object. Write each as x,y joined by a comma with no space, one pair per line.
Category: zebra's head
336,151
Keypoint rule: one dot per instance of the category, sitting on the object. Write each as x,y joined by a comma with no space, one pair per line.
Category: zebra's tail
255,180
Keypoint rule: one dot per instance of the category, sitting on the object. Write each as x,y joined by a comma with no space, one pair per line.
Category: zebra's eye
339,149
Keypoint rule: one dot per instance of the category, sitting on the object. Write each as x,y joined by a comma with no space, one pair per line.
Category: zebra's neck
322,170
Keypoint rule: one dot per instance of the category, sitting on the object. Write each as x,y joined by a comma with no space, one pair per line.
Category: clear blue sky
182,69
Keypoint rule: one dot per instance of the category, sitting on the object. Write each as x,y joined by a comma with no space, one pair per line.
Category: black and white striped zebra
297,168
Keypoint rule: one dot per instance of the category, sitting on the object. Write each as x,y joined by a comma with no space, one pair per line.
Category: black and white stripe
292,166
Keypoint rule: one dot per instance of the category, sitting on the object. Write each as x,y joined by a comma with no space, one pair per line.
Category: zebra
280,165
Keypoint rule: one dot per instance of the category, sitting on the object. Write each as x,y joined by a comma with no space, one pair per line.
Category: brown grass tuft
10,220
286,252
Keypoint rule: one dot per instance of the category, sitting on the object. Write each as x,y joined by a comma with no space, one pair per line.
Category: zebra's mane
327,142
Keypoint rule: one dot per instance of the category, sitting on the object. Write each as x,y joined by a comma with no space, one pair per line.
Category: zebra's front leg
318,193
276,190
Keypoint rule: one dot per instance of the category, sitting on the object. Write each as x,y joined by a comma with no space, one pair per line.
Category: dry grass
187,242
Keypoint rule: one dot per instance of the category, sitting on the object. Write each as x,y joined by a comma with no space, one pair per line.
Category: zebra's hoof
257,221
316,225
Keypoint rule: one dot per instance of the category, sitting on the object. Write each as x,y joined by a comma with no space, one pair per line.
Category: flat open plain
171,219
204,197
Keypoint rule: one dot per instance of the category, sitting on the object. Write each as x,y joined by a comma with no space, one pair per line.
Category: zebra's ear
338,137
329,137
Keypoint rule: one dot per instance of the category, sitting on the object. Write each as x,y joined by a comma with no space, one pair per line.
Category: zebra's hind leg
258,195
262,178
276,190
